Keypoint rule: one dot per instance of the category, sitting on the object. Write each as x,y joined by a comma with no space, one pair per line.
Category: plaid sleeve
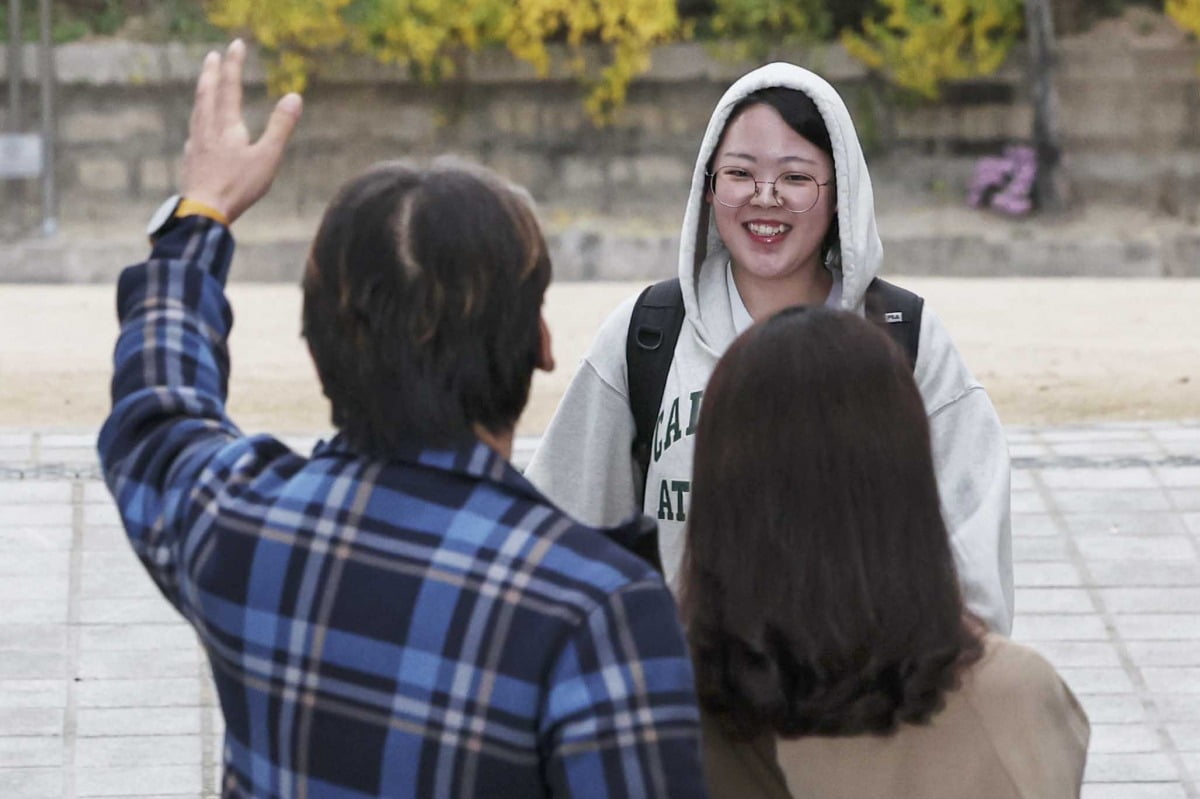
171,368
621,718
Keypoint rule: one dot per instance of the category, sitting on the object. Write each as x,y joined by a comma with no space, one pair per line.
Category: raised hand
222,167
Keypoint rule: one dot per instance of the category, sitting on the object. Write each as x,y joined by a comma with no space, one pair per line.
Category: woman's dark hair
801,115
422,303
819,588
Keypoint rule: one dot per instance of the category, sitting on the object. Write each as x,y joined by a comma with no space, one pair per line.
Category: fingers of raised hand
280,127
229,90
204,105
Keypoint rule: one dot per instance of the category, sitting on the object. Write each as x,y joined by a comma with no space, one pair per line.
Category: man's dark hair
801,114
422,304
819,588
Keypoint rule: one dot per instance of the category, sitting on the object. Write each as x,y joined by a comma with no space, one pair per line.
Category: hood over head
861,250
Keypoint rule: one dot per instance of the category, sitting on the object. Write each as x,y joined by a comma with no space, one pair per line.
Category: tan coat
1013,730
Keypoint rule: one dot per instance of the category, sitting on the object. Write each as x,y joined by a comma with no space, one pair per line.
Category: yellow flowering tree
1186,14
430,36
918,44
751,27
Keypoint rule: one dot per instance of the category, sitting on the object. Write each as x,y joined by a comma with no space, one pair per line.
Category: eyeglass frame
712,185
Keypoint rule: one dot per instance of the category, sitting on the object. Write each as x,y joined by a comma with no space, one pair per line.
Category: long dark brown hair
819,588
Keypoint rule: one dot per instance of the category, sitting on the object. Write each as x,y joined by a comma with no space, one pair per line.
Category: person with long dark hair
834,655
781,213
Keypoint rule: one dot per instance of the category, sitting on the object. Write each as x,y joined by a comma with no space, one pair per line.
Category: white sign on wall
20,155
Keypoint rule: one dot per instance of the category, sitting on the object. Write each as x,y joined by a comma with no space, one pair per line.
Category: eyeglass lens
795,191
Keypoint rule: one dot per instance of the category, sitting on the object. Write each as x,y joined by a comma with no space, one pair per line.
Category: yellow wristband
195,208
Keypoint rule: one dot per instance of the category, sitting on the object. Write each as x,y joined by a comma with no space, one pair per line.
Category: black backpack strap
649,350
899,311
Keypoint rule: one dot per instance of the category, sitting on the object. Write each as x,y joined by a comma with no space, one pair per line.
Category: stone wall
1130,119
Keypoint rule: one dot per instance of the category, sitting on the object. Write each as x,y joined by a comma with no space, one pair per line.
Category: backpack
654,331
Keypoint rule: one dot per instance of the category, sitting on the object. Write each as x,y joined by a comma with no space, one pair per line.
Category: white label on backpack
893,317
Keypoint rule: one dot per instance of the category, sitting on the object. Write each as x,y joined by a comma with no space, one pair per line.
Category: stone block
1046,575
1034,524
1099,478
157,176
31,783
1181,255
104,722
515,118
112,125
1165,65
31,491
1143,574
139,692
1061,258
33,665
1087,654
31,638
1122,738
1164,653
566,118
271,262
983,122
139,780
138,749
1110,709
103,174
1080,59
1057,627
33,586
1055,600
1157,626
1131,523
1134,767
23,721
1027,502
529,169
957,255
1173,680
1097,680
1125,501
388,113
580,174
1092,108
34,693
38,514
30,751
1044,549
1185,736
115,664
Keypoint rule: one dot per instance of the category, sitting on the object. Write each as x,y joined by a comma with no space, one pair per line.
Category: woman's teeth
759,229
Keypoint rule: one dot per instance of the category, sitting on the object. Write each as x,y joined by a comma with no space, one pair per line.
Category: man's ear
545,360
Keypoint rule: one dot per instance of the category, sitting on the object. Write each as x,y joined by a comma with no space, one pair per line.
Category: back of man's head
422,303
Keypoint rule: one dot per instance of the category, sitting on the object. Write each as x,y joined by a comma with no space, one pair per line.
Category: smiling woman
748,249
780,237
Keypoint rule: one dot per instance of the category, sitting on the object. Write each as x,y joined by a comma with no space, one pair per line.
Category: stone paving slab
105,692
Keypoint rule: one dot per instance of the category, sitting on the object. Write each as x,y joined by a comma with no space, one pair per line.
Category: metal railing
24,154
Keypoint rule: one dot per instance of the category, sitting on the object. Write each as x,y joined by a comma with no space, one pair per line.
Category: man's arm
620,719
171,363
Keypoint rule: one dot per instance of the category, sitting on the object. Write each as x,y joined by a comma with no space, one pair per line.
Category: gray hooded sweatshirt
584,461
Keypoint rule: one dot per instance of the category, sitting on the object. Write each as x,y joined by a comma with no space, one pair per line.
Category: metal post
1043,60
15,65
49,188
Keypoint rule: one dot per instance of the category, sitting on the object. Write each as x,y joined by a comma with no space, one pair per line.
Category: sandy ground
1050,351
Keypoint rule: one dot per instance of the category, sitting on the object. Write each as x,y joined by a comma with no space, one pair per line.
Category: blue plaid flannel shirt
426,625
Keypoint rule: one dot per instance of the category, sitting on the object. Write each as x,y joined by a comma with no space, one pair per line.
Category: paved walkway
103,691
